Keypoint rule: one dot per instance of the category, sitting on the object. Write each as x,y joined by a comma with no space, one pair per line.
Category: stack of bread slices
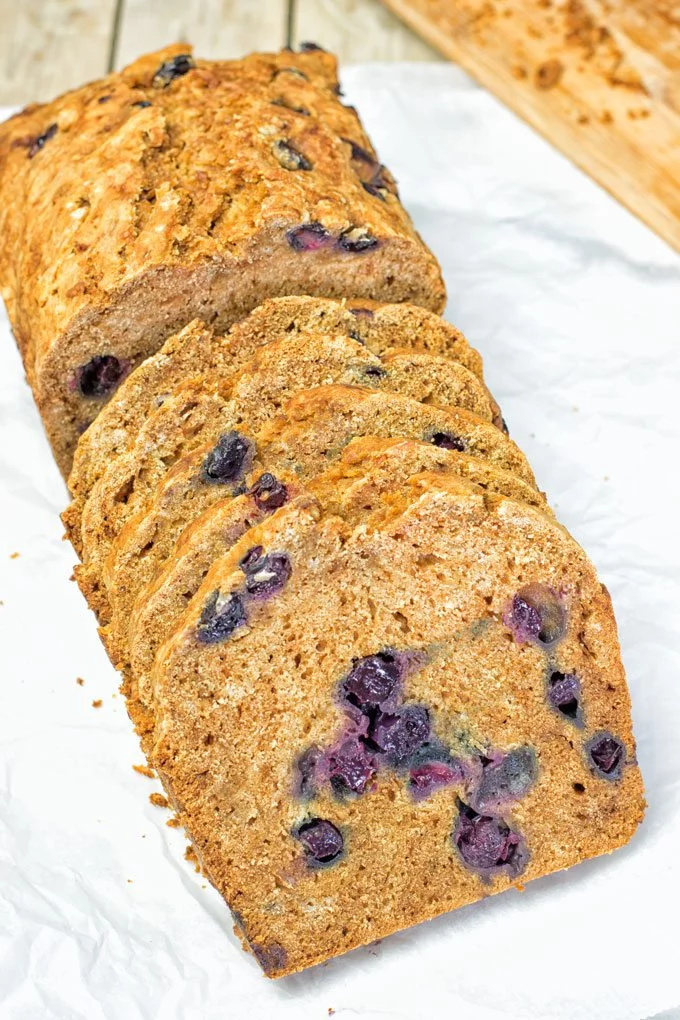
376,677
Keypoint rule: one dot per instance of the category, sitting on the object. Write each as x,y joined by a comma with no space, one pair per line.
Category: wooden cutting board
599,78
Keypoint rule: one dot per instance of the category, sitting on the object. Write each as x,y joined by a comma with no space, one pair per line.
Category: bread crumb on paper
158,800
97,703
144,770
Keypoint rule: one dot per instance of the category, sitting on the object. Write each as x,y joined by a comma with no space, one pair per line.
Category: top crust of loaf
136,203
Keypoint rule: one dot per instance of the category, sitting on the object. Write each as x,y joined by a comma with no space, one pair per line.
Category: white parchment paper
576,309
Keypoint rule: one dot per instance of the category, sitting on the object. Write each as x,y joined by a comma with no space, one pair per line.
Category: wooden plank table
48,46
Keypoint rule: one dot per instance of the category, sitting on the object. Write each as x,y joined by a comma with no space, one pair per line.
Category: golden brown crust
129,209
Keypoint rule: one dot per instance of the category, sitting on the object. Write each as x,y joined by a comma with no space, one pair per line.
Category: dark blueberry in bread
289,106
309,237
400,734
38,143
504,426
564,694
289,157
100,375
221,616
363,313
376,190
424,779
320,840
228,460
105,99
266,575
536,614
271,957
350,767
505,777
268,492
142,104
357,239
448,441
375,372
372,680
172,69
487,844
606,755
249,559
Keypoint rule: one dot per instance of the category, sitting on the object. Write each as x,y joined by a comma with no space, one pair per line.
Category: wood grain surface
601,81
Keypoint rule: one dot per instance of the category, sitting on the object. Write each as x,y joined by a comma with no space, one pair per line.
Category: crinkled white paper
576,309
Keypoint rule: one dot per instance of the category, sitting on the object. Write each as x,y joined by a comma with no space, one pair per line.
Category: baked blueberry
606,755
375,372
171,69
371,680
357,239
38,143
350,767
271,957
448,441
537,615
268,492
363,313
487,844
289,157
221,616
101,375
424,779
142,104
228,460
309,237
564,695
398,735
321,841
266,575
505,776
289,106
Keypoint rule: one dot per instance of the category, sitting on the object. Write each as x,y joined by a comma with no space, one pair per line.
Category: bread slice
362,729
206,407
322,421
198,350
177,189
352,488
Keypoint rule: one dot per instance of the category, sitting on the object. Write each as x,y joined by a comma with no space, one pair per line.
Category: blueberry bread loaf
181,188
431,706
351,488
197,350
124,548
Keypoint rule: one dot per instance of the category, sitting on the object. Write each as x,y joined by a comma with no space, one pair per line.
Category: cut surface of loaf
364,728
352,488
202,408
199,350
181,188
312,431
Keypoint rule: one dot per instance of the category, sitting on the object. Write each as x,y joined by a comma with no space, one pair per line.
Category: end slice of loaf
181,188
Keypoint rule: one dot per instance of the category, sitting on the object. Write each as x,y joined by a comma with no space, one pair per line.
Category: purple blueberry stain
221,616
362,313
536,615
505,777
268,492
41,141
266,574
177,67
426,778
606,755
309,237
448,441
100,376
564,695
322,842
229,459
289,156
306,773
357,240
487,845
